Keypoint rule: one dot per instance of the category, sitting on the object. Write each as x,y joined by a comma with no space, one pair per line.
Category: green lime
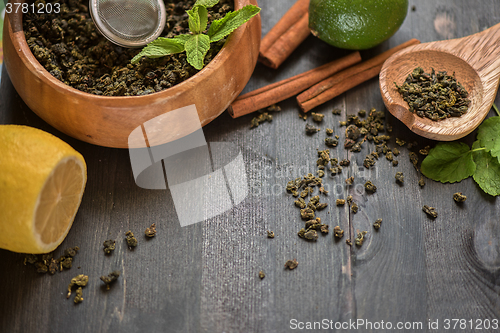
356,24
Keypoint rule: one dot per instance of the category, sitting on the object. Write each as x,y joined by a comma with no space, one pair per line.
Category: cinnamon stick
286,35
279,91
346,79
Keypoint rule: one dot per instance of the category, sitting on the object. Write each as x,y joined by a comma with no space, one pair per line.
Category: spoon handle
481,50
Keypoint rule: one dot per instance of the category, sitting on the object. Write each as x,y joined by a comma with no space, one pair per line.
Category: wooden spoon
475,60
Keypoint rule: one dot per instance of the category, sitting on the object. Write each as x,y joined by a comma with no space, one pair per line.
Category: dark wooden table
204,277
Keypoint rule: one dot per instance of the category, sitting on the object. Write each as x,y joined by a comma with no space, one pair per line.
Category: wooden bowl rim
33,65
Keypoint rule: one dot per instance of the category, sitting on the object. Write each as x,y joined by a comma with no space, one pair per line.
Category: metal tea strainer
129,23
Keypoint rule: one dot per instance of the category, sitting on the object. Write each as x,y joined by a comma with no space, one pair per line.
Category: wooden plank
204,278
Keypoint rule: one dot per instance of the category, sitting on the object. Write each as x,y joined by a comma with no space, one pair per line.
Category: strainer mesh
132,20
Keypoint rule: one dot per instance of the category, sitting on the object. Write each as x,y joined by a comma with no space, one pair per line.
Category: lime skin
356,24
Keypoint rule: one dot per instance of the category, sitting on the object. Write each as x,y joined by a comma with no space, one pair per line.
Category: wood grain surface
204,277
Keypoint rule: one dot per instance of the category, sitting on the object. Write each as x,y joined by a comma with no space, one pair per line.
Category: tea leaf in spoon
449,162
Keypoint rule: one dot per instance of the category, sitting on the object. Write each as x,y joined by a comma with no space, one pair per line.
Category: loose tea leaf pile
109,246
69,46
435,96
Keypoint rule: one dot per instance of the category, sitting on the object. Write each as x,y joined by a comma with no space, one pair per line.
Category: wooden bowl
108,121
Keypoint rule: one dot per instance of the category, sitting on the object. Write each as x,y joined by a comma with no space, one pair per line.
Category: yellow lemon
42,180
356,24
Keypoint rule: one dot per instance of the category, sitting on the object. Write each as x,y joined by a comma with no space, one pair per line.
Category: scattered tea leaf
360,238
400,178
131,240
80,280
109,246
160,47
459,197
377,224
151,231
110,278
370,187
431,211
79,295
291,264
317,117
337,232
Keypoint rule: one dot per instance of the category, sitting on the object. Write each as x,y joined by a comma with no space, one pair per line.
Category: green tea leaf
223,27
489,136
196,48
160,47
487,174
198,18
206,3
449,162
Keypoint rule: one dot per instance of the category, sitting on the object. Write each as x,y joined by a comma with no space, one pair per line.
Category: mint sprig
451,162
197,43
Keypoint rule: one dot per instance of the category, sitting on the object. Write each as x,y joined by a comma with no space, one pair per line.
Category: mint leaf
206,3
449,162
487,174
203,18
198,18
223,27
196,48
488,136
182,38
160,47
